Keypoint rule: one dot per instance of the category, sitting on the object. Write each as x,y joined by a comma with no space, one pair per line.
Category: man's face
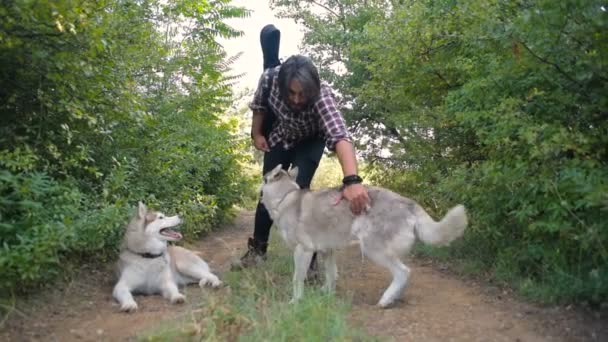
297,99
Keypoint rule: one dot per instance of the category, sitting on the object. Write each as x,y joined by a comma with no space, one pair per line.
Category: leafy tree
500,105
103,104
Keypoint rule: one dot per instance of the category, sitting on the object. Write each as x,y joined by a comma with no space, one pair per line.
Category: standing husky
311,221
147,265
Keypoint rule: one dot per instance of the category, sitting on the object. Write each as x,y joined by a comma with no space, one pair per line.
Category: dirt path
436,306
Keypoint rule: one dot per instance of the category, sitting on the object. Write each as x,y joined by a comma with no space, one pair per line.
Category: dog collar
150,255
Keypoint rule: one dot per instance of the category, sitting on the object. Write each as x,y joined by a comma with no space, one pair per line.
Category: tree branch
325,8
546,61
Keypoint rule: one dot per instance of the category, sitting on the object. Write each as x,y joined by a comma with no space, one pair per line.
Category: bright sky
251,61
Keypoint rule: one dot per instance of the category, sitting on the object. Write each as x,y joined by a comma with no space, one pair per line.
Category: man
307,120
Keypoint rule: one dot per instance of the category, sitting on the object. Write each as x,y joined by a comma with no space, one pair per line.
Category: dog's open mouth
169,232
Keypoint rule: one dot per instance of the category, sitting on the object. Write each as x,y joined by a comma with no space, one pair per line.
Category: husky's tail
441,233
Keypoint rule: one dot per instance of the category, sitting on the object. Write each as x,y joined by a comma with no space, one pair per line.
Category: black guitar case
270,39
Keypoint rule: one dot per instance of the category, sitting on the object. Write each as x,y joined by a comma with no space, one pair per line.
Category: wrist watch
352,179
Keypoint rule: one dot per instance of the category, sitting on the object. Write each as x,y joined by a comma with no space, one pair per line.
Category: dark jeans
306,156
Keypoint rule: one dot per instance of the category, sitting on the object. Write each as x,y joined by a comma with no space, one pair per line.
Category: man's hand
260,143
357,195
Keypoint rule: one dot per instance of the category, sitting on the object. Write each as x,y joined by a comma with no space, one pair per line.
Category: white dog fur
311,221
147,265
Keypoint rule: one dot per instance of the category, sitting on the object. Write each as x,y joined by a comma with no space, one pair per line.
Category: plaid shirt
322,119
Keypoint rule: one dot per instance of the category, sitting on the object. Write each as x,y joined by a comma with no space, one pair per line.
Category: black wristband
352,179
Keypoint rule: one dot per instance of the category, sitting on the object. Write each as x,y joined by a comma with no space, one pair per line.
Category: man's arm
257,120
259,106
338,139
347,158
356,193
259,141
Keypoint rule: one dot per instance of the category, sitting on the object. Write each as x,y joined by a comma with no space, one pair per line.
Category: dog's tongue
171,233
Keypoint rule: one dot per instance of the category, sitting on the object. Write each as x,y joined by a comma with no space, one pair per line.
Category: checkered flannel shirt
322,119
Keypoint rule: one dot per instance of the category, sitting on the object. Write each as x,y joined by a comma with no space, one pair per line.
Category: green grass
256,308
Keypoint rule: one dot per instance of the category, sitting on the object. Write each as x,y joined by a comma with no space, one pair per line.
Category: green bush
100,110
36,221
499,105
538,183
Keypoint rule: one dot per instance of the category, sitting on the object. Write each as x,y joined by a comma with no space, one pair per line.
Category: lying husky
147,265
311,221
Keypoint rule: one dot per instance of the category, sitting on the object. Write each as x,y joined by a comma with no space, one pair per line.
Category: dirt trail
436,305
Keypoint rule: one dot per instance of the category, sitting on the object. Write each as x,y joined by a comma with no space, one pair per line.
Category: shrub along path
437,306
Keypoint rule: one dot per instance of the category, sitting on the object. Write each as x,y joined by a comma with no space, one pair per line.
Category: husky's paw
293,301
178,299
214,282
129,307
385,304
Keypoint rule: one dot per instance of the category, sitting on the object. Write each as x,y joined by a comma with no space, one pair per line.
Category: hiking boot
256,253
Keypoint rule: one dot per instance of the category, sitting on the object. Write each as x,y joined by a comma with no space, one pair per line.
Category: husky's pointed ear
293,172
142,210
272,173
277,169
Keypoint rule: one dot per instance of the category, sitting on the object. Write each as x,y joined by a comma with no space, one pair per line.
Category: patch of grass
255,308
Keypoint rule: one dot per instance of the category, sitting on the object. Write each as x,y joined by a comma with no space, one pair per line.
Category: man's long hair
300,68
